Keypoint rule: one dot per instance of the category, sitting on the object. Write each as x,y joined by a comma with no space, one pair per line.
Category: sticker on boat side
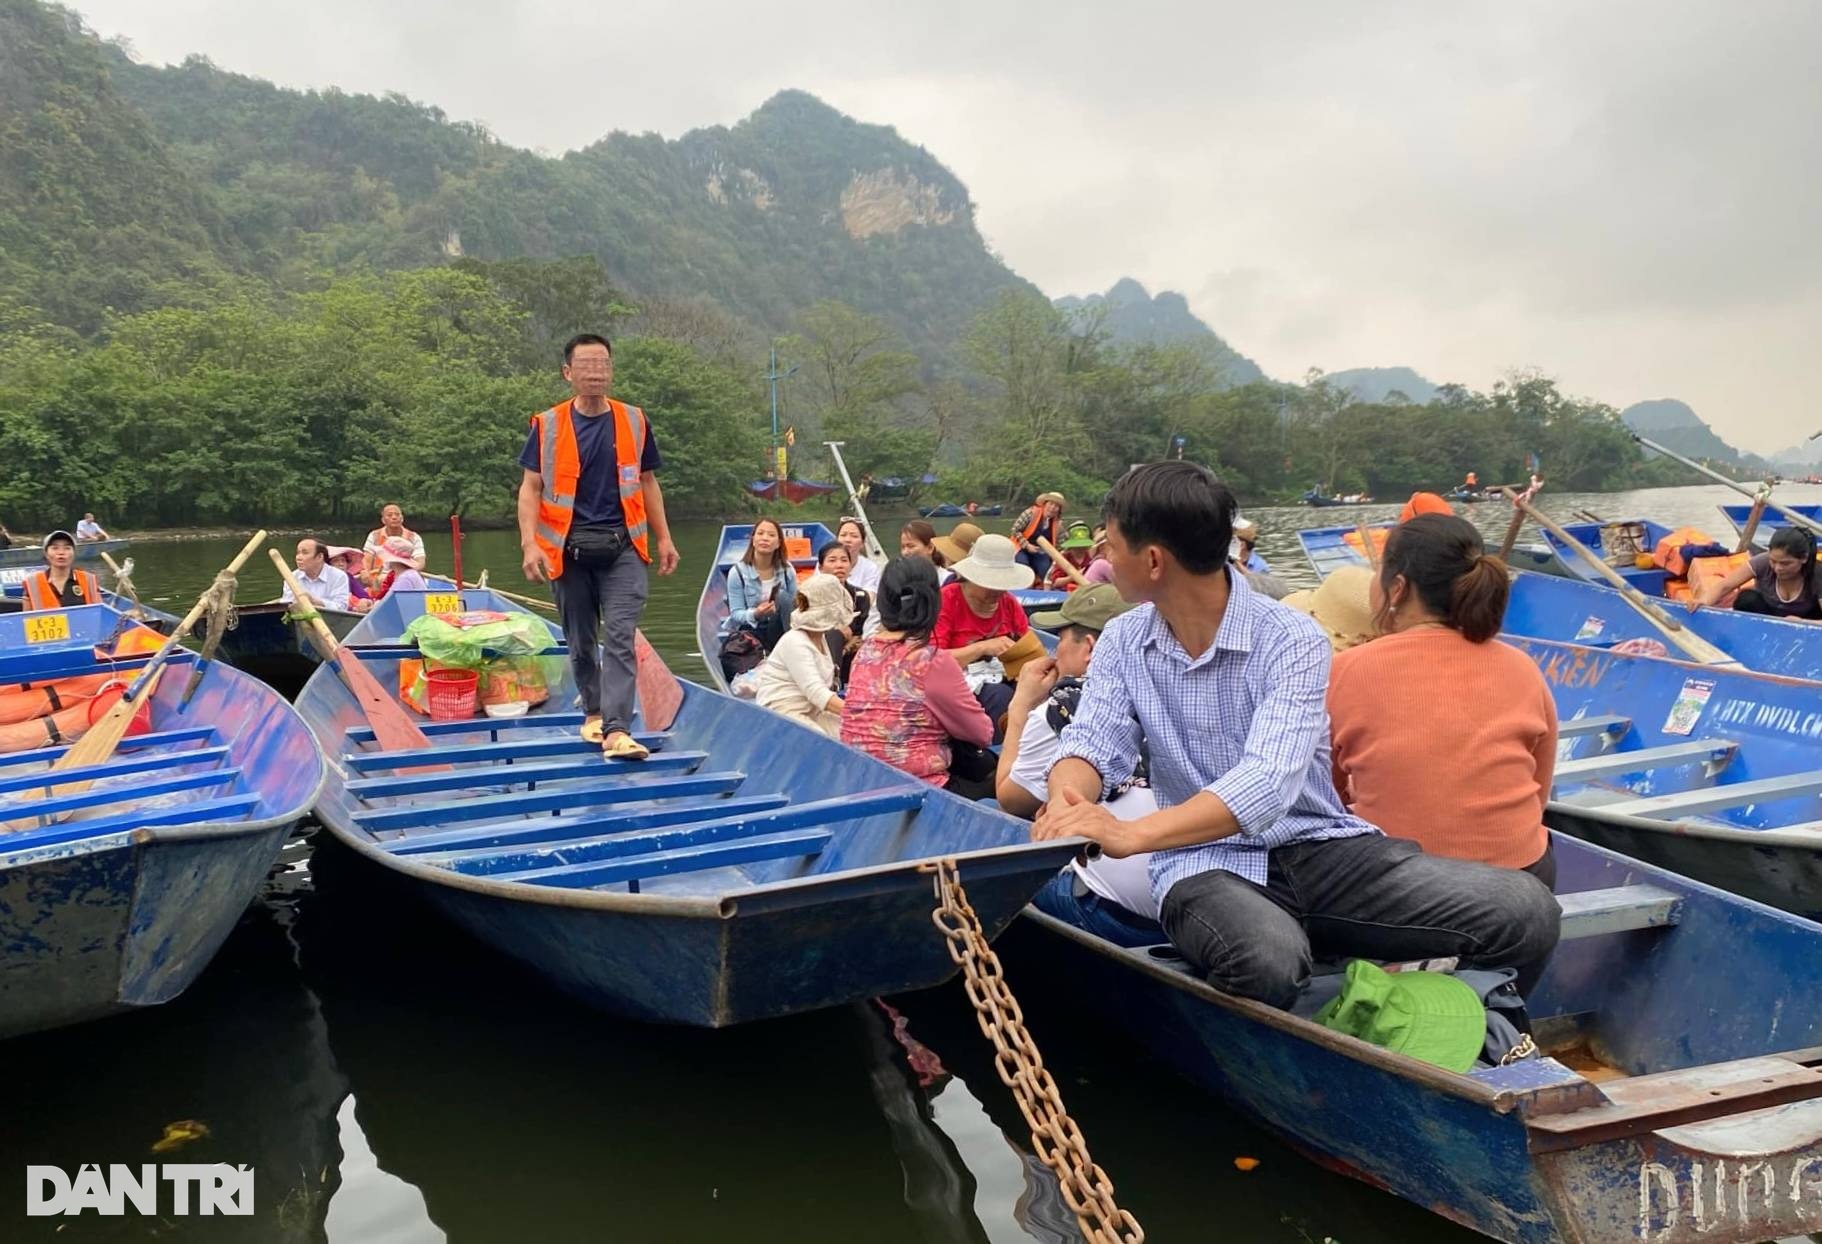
1687,709
1591,628
1746,1194
46,628
443,602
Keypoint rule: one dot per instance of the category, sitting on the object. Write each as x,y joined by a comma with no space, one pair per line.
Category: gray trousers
1369,897
601,604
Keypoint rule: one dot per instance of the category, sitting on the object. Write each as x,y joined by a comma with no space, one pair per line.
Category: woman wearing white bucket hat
798,679
980,620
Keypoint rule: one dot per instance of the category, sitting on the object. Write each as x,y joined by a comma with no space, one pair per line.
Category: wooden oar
1808,524
392,728
1695,646
1367,547
121,580
101,740
1752,521
1068,566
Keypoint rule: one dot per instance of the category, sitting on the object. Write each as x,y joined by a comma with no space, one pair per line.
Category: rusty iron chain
1054,1135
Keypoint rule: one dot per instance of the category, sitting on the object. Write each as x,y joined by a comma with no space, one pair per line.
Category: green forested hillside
224,301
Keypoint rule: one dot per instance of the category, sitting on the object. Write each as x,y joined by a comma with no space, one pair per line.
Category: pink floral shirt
905,702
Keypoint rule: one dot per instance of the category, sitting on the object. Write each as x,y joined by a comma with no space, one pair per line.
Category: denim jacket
746,590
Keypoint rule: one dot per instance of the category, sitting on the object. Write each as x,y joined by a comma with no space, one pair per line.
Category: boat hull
712,606
1480,1149
1769,522
1327,549
755,937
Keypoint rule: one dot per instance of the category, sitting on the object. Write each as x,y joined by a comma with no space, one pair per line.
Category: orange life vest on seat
1668,553
1706,570
39,594
560,466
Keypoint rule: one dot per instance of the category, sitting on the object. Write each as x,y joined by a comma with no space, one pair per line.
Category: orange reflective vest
39,594
560,466
1037,522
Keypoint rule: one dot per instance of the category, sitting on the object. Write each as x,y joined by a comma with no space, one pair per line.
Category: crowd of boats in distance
752,868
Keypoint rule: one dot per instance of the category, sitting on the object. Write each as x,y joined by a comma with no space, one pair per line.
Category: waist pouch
595,546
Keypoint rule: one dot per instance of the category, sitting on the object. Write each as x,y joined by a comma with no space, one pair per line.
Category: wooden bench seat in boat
1720,798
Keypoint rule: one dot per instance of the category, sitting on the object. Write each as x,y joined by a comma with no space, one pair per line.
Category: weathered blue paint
1769,522
1534,1152
713,607
665,893
124,908
1327,548
87,627
1570,610
1745,815
1649,581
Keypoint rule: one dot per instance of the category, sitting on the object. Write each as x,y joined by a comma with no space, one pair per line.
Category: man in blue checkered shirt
1257,863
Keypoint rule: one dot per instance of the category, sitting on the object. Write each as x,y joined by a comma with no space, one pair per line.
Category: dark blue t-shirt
598,491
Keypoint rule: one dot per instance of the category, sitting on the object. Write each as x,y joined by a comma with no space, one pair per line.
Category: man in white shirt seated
1108,897
89,529
325,584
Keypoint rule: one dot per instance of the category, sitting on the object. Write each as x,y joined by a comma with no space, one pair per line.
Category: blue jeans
1038,560
1369,897
1074,903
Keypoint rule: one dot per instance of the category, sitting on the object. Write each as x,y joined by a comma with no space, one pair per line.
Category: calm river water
391,1081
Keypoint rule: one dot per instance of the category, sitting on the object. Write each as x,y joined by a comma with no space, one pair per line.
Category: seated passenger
1786,582
1077,544
918,539
1246,540
60,585
957,544
353,563
1100,570
1041,520
863,571
761,587
980,618
392,527
88,529
1108,897
1424,503
1257,865
399,560
907,702
1342,606
321,582
798,679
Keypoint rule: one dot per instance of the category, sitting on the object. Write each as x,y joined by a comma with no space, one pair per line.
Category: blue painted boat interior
235,753
1575,611
1770,521
58,641
1683,744
1327,549
1651,582
753,796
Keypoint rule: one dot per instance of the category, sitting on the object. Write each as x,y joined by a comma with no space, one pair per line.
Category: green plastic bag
470,640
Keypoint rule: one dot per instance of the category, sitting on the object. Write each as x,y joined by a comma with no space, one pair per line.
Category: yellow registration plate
443,602
46,628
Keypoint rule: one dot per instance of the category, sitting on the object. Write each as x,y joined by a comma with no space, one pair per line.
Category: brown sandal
622,746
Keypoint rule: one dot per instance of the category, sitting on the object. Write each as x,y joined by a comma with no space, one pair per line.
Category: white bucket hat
827,602
992,564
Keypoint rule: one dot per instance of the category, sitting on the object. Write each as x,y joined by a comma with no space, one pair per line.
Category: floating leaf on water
1245,1164
180,1133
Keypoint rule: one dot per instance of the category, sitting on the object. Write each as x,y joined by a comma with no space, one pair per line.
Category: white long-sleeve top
798,680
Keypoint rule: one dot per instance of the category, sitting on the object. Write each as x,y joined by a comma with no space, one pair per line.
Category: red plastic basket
451,693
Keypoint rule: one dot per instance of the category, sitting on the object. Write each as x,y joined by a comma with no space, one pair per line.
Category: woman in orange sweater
1438,734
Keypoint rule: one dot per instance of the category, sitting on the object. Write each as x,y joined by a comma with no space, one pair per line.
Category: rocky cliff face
886,201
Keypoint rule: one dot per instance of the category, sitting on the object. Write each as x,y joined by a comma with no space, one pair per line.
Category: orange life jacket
1037,521
1668,554
39,594
560,465
1706,570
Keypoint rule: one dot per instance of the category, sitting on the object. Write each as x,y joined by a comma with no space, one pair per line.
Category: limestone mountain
1135,317
187,168
1672,424
1375,384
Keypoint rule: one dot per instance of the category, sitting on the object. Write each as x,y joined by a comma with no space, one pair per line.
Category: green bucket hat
1429,1015
1077,540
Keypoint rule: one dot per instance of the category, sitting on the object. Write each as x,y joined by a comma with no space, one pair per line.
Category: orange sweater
1446,742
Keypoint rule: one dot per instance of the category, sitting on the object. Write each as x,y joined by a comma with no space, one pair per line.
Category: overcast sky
1622,194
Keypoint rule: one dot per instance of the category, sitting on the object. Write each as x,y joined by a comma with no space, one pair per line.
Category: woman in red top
907,702
981,619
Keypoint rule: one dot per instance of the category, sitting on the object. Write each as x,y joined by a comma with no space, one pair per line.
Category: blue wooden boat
53,643
750,868
1328,548
802,540
123,907
1680,1098
27,558
264,643
1650,581
1769,521
1573,611
1709,772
